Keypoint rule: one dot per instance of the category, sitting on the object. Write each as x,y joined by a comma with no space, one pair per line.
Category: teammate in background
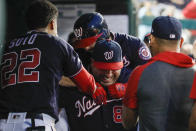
83,114
158,91
31,68
92,27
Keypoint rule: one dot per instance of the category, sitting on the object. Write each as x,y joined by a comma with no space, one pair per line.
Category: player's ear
181,41
151,37
52,24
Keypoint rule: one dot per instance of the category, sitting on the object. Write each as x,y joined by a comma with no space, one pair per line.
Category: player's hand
100,96
117,90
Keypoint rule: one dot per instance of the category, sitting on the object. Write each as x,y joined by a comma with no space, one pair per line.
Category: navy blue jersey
31,68
134,53
85,115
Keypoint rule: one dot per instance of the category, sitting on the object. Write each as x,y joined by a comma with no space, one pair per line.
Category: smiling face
105,77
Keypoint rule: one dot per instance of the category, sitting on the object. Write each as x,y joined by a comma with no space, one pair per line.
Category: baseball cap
107,54
166,27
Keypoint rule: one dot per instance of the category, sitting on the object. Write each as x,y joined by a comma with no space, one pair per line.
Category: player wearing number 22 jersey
30,73
31,67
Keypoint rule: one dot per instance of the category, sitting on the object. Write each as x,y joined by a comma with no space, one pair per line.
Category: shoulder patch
144,53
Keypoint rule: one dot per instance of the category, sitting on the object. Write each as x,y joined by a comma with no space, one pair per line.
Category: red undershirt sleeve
85,81
131,99
193,90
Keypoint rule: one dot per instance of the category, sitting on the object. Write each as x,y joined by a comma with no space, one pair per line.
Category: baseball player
158,91
31,68
82,112
92,27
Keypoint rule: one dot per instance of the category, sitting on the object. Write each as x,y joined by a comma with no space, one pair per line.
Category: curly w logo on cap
107,54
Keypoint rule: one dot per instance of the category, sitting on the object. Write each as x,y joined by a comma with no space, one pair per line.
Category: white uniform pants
62,124
19,123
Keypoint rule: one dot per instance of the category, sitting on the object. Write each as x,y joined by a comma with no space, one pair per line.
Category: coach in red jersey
158,92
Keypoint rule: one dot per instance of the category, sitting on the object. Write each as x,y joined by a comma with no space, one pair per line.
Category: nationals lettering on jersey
84,114
86,107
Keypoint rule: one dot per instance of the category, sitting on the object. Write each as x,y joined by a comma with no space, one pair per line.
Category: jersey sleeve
71,61
134,49
130,99
134,52
140,53
193,90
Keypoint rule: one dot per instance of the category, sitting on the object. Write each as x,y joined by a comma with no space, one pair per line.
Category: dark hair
40,13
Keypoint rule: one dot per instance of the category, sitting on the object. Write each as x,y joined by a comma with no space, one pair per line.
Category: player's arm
86,83
99,96
129,117
74,69
130,101
66,82
117,90
140,53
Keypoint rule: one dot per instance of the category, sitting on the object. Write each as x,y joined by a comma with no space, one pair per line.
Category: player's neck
170,49
42,30
46,30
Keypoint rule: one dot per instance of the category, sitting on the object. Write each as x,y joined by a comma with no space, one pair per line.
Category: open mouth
106,80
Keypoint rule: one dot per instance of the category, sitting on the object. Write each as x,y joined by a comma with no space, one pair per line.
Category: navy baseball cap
166,27
107,54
